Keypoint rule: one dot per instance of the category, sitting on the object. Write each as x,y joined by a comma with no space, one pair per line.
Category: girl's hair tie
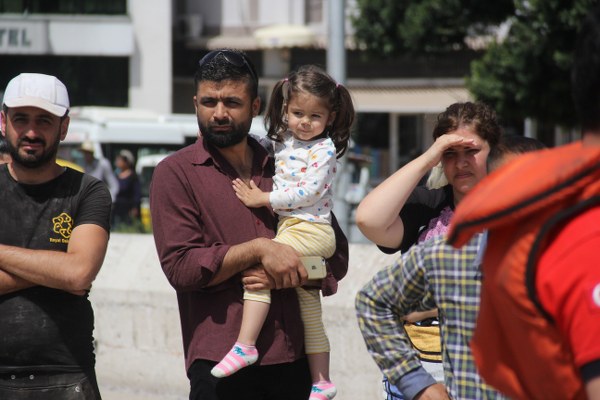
285,87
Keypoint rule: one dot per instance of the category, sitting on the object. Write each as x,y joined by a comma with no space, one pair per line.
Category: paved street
139,351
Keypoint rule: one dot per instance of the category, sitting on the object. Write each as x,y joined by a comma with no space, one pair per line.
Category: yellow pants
309,239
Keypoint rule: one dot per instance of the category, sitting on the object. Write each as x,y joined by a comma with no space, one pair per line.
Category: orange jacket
516,346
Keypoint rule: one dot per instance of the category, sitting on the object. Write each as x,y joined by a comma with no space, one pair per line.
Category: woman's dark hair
479,117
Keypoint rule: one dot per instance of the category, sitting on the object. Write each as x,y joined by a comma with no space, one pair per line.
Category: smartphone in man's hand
315,266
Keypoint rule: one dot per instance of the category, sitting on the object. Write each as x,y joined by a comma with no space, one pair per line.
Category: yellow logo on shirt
63,225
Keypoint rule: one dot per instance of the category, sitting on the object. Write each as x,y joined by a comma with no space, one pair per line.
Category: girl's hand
251,195
255,278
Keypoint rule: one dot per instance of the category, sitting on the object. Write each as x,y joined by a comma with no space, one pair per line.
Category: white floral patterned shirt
304,175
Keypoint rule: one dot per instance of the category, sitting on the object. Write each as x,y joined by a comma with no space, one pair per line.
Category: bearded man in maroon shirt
210,245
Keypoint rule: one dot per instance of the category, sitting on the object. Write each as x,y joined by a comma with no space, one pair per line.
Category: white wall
95,36
150,66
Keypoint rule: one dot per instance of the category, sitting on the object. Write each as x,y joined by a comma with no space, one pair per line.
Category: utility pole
336,67
336,49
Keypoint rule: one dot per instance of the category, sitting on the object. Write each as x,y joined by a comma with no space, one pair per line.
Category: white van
148,135
112,129
144,133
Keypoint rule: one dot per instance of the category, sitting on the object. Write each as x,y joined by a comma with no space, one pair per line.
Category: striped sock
323,390
239,356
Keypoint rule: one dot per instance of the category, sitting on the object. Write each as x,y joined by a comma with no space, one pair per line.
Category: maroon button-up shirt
196,218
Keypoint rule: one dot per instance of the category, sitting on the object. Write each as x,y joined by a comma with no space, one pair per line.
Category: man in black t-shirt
54,236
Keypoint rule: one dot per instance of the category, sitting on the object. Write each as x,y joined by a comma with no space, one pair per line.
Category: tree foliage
524,74
394,27
528,74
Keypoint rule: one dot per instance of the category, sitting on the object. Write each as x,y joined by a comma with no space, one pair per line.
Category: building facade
112,53
142,54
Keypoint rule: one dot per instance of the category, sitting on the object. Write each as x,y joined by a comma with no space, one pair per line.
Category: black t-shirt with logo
43,328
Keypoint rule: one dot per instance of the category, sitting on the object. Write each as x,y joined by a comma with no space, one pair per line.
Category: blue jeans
48,386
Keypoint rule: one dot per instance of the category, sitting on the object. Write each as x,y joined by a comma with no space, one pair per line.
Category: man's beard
225,139
32,160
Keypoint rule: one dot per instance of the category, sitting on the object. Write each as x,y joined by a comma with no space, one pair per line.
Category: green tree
394,27
524,74
528,73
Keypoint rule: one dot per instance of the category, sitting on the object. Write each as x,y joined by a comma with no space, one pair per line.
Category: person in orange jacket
539,322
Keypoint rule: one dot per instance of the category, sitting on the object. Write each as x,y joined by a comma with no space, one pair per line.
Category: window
113,7
410,138
98,80
313,11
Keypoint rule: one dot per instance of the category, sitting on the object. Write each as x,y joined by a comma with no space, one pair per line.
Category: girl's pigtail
340,129
274,122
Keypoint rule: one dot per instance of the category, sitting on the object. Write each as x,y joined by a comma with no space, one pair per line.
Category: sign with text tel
23,37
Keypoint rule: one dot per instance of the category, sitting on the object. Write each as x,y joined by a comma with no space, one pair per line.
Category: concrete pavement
138,338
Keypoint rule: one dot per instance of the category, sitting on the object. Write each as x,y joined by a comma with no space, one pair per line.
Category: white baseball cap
37,90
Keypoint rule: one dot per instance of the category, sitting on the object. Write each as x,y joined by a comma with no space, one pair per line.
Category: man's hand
251,195
282,263
434,392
